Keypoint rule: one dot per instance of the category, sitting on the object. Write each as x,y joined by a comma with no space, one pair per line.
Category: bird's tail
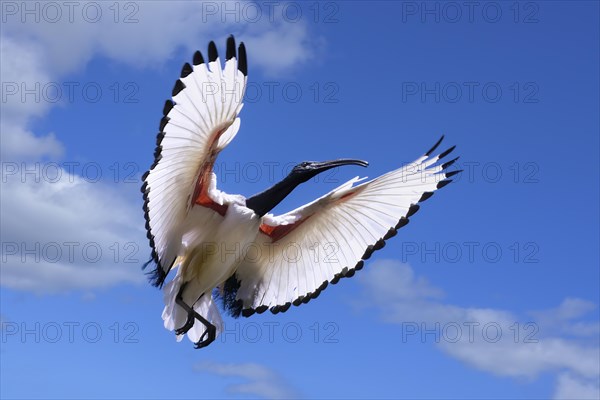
174,316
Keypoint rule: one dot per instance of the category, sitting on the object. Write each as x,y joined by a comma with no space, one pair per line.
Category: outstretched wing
299,253
199,121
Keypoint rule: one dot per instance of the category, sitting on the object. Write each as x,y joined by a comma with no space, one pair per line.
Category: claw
211,331
189,323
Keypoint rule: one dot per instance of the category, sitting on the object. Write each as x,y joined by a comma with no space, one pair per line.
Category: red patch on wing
347,196
205,201
200,195
279,231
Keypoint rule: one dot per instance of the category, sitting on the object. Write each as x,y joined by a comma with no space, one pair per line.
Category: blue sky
492,290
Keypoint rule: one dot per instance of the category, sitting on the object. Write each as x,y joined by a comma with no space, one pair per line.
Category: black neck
264,202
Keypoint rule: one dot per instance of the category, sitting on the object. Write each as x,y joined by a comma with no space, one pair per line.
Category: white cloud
569,387
261,381
397,282
19,143
66,234
22,63
277,50
496,341
22,68
563,319
518,359
47,278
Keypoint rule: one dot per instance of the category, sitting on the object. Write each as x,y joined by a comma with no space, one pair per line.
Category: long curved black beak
325,165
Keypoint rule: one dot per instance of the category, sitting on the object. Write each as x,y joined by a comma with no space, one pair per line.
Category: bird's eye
303,165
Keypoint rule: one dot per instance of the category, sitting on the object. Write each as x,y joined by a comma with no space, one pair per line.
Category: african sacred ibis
192,226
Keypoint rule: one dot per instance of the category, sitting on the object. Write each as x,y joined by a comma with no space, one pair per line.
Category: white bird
256,260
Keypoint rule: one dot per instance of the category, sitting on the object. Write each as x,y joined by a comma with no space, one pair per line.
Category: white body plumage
207,257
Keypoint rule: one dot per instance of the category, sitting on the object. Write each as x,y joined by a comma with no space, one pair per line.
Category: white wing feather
302,251
199,121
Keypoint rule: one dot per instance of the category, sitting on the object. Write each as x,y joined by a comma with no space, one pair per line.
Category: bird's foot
207,337
209,334
189,323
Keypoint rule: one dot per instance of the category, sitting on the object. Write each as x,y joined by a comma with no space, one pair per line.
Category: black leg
211,331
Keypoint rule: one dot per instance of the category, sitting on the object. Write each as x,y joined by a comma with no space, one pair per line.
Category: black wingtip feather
168,107
247,312
179,86
368,252
452,173
449,163
390,234
283,308
212,52
163,122
425,196
441,184
298,301
445,153
412,210
230,48
198,58
186,70
261,309
434,146
159,138
379,245
403,222
242,62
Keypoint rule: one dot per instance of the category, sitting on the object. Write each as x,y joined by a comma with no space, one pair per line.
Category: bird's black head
308,169
263,202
